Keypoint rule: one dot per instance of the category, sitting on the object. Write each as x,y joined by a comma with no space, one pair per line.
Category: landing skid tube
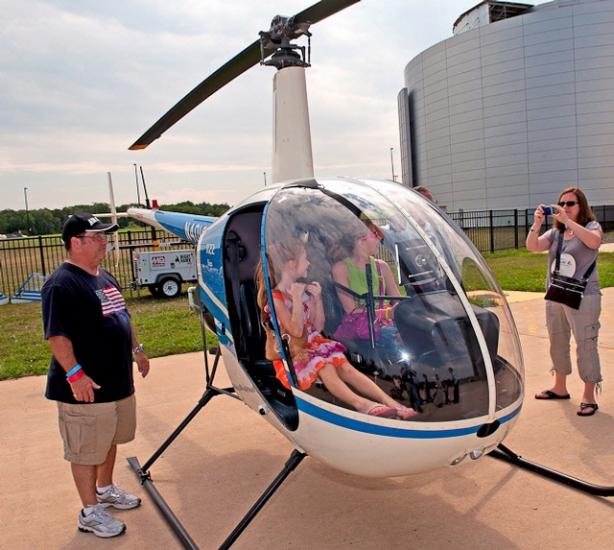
142,472
507,455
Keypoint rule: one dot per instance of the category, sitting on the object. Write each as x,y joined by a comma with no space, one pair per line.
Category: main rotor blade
322,10
249,57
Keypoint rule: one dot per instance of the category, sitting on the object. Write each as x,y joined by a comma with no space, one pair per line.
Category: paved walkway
222,462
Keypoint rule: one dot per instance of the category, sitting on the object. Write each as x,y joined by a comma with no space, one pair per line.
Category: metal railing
27,260
492,230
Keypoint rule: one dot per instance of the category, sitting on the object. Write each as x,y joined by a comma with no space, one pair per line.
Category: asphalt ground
227,456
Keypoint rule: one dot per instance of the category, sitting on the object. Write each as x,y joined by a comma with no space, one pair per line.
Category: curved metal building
505,114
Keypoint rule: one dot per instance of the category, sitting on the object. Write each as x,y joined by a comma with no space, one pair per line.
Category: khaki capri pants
562,321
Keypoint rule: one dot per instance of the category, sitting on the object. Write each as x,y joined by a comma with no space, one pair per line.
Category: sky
80,81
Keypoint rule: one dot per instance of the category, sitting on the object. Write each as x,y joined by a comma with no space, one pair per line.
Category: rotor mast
292,152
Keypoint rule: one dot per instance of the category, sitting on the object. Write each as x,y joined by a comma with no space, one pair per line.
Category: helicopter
455,357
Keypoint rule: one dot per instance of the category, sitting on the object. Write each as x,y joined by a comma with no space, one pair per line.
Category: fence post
526,222
42,255
492,231
516,228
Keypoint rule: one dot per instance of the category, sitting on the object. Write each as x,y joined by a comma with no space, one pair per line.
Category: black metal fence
492,230
24,262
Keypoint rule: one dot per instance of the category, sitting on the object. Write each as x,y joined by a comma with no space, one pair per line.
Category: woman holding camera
574,223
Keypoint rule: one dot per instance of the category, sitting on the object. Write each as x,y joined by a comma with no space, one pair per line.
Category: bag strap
557,265
559,247
589,271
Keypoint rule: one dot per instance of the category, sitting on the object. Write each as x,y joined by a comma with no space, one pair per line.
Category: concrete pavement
218,467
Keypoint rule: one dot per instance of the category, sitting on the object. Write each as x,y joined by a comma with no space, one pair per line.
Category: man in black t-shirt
92,343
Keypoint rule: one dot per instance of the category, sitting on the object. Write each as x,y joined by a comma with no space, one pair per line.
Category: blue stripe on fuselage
376,429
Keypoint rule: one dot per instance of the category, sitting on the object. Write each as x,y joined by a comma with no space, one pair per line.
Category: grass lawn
522,270
164,327
167,327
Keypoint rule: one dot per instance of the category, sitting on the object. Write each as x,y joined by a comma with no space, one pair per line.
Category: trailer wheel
169,287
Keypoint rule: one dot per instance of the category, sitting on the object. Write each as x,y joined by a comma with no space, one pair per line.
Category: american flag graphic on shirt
111,300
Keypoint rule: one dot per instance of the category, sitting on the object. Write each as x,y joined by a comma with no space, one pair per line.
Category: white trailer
163,272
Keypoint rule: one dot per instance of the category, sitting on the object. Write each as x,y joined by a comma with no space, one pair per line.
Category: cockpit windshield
396,291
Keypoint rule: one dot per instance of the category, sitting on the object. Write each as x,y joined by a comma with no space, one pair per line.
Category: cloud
80,81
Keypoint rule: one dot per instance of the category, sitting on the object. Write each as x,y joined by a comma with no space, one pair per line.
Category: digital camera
548,210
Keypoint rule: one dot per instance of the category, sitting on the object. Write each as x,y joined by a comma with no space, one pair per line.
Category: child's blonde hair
278,255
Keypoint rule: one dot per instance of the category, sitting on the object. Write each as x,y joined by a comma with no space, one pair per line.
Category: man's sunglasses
568,203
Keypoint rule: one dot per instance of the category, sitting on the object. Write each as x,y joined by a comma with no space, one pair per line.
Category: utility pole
136,177
392,164
25,196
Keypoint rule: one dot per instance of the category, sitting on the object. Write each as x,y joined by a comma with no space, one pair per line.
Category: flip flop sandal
405,413
548,394
381,411
592,408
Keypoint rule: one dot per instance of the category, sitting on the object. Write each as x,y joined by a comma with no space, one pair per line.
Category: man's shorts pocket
78,432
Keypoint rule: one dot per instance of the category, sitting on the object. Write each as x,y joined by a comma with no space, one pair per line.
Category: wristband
79,374
74,370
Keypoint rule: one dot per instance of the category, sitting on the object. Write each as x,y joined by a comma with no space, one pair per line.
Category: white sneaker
101,523
118,498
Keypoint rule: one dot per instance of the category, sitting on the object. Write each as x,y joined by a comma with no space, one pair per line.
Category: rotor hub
282,31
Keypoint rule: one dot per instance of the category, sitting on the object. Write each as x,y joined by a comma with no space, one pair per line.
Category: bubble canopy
404,291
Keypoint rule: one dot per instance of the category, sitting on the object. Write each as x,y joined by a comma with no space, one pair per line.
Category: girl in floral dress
300,313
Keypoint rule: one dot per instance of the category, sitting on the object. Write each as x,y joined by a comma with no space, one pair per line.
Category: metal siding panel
512,170
468,165
504,78
466,126
548,47
460,99
546,24
490,57
505,129
469,175
551,79
554,122
505,139
472,145
555,179
465,116
553,58
464,156
591,141
554,154
471,105
545,69
553,165
502,65
553,111
594,40
550,144
508,118
604,150
514,149
595,129
506,160
466,136
508,97
552,133
595,118
597,162
550,101
595,84
583,108
548,91
564,33
505,108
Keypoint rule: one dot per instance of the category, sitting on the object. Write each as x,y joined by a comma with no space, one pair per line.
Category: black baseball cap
81,222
